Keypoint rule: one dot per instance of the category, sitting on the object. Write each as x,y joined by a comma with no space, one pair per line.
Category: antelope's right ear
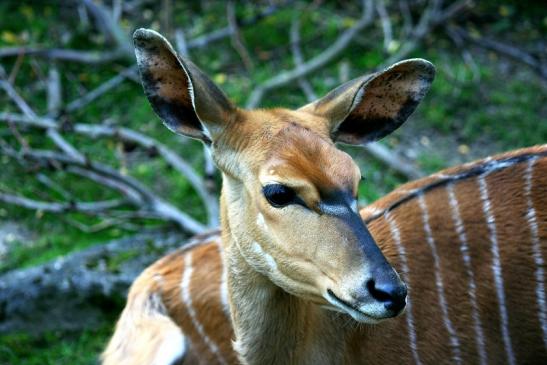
187,101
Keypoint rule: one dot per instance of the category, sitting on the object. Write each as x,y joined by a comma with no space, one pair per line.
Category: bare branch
117,6
407,18
110,28
316,62
151,201
56,207
54,94
72,55
102,89
299,59
432,16
27,110
386,24
94,57
222,33
126,134
235,35
506,50
466,55
391,159
180,41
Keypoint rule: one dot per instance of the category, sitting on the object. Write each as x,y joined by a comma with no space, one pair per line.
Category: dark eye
279,195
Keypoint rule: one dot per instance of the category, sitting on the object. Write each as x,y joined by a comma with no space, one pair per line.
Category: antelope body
295,277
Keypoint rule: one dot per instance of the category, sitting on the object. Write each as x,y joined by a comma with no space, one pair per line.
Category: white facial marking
464,249
355,206
270,261
496,267
454,340
260,221
223,281
187,300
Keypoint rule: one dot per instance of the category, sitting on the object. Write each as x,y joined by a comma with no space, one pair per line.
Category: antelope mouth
350,308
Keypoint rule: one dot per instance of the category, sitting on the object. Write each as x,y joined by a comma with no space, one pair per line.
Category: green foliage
53,348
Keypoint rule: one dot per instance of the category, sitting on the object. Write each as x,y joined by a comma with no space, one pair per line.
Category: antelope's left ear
371,107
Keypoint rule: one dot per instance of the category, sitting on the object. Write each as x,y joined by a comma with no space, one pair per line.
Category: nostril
393,296
377,294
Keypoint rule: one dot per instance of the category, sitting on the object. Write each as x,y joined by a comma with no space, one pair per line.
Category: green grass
54,348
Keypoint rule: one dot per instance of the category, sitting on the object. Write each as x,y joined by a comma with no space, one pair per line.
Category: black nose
392,294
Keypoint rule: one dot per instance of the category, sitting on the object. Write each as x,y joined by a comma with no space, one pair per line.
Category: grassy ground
471,111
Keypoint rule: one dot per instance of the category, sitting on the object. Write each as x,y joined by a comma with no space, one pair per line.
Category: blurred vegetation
481,103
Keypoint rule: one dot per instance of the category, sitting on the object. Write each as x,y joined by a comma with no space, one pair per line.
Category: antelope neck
272,326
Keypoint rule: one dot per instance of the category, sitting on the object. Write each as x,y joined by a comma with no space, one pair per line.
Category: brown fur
290,269
376,344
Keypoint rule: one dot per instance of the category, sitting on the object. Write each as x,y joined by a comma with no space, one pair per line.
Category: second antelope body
296,274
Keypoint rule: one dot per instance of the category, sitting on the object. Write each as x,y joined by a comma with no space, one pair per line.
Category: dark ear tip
425,68
144,34
145,38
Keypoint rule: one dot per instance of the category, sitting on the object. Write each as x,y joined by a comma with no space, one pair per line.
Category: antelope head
289,200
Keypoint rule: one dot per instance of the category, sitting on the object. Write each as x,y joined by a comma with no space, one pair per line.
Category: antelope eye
279,195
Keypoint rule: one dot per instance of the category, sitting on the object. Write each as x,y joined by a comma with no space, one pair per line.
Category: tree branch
506,50
125,134
285,77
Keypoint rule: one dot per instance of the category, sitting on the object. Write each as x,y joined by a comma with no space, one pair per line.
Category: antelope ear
187,101
371,107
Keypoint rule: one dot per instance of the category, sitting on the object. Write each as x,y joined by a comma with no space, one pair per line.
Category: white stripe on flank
454,340
223,281
173,348
536,247
396,234
187,300
464,248
496,268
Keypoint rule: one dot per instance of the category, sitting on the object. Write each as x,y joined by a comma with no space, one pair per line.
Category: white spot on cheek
355,206
257,249
260,221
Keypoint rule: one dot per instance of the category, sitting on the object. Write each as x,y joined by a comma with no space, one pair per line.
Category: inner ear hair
370,107
186,100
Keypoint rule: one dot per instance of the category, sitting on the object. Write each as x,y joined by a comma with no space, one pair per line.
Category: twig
225,32
407,18
101,89
391,159
166,12
126,134
72,55
386,24
56,207
117,6
95,57
299,59
316,62
509,51
54,94
46,181
110,28
151,201
466,55
26,109
180,41
235,36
